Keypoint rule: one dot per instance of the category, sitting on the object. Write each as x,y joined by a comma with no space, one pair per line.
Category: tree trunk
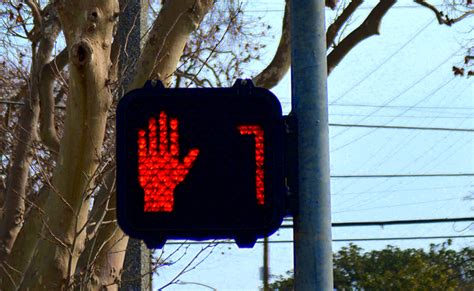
88,28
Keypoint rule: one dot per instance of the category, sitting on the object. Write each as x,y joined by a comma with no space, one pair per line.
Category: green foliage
392,268
283,283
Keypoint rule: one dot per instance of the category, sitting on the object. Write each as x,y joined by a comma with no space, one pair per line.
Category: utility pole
312,220
137,275
266,265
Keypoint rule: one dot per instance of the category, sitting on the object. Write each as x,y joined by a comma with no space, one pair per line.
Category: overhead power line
464,116
331,124
412,85
402,222
402,106
366,76
402,176
402,190
395,222
458,110
401,127
402,238
334,240
358,209
382,238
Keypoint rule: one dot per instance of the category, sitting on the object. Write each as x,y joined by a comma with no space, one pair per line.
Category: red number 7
257,131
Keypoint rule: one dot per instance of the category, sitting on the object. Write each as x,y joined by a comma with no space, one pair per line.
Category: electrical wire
403,144
403,176
398,205
401,190
405,116
366,76
375,111
390,100
400,106
406,142
334,240
393,222
399,127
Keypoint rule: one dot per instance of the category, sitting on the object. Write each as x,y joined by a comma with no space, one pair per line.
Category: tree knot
81,53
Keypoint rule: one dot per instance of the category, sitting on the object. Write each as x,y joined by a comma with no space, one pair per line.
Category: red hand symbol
159,168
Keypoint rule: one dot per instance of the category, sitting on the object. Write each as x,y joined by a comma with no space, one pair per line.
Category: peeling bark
88,29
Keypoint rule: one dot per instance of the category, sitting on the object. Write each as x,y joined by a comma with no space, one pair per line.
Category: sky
401,78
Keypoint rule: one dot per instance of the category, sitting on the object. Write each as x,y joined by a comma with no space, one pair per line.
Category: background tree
58,228
392,268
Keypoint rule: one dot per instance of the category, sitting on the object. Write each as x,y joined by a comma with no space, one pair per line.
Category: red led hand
159,168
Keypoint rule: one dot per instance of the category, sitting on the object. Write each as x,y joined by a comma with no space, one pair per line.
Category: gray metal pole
312,220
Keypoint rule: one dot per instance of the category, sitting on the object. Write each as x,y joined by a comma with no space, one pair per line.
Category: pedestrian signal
200,163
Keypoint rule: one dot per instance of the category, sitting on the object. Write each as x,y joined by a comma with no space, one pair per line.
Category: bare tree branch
48,133
213,49
34,34
368,28
167,38
331,3
442,18
281,62
36,11
334,28
191,265
22,156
